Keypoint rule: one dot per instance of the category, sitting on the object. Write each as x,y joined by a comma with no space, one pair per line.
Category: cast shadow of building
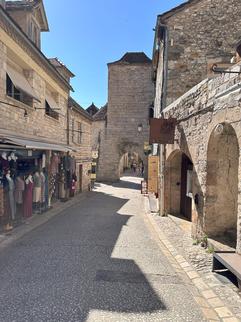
64,270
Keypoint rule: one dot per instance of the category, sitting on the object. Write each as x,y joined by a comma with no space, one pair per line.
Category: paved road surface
97,262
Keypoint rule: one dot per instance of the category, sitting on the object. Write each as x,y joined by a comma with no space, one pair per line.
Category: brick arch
221,200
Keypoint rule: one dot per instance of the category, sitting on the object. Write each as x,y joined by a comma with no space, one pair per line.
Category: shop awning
21,83
36,145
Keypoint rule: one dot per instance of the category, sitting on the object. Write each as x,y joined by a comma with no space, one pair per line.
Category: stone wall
98,131
130,94
209,133
204,31
22,18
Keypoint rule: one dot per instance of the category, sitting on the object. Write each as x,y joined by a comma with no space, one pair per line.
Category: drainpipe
162,147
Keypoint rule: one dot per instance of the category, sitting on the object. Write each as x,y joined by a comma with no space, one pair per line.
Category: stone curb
211,305
39,220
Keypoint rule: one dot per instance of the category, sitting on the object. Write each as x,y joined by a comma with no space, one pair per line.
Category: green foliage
210,250
196,242
204,241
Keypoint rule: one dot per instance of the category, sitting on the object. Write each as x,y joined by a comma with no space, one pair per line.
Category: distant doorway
178,181
186,201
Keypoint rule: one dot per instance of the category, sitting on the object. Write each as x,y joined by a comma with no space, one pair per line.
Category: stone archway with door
221,201
178,180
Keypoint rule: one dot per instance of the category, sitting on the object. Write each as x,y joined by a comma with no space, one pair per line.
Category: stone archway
127,162
130,153
177,183
221,204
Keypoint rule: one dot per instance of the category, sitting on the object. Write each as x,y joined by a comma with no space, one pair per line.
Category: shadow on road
128,181
128,185
64,269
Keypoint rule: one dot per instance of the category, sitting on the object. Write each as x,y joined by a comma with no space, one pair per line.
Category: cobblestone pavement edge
212,306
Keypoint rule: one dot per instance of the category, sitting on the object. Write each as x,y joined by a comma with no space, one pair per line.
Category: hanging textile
19,190
28,200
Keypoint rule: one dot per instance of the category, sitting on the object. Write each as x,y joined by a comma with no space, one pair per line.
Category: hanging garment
1,176
46,188
43,179
36,194
6,203
52,183
1,202
19,189
37,187
13,168
67,162
28,200
73,187
54,165
37,180
72,165
11,189
4,165
44,161
68,180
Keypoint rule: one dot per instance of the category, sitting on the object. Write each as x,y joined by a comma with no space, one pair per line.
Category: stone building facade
130,94
188,40
98,131
79,138
34,96
202,172
25,65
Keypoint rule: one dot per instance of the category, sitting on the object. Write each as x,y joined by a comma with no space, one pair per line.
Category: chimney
2,3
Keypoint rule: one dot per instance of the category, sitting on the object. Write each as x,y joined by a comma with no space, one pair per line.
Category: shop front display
31,181
21,176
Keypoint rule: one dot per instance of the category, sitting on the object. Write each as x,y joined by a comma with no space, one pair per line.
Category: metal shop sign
162,131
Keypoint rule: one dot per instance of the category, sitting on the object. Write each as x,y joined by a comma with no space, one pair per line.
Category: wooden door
186,202
153,174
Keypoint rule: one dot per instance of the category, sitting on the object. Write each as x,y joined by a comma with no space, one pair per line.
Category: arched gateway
130,94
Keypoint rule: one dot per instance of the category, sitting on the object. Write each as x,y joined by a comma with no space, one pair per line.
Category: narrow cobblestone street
96,261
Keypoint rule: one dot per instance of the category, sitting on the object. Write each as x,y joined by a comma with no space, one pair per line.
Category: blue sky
85,35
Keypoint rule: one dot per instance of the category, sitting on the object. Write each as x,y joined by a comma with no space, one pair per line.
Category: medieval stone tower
130,94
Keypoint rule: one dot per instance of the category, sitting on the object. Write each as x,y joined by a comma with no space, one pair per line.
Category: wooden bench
230,261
